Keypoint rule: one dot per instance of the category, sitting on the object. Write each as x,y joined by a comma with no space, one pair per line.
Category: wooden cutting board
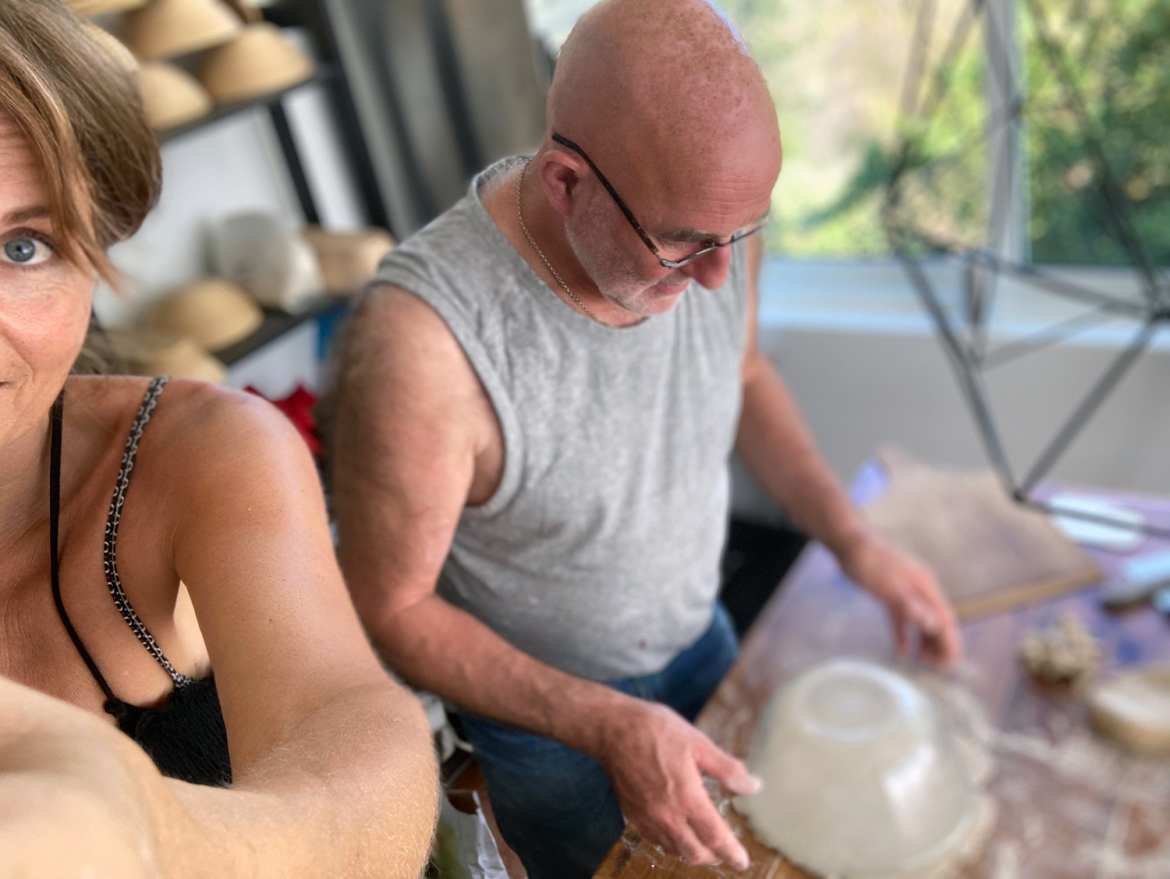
989,553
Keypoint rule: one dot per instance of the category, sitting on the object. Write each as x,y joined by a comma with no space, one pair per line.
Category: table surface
1069,805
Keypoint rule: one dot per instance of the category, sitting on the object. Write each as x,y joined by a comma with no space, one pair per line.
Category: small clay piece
1134,710
1064,654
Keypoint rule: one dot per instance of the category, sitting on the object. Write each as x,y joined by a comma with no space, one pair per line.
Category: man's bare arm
412,446
777,446
415,440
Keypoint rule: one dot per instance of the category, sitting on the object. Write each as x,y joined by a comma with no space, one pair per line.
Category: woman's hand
911,595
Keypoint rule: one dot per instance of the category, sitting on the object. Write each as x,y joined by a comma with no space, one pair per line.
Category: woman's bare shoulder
193,407
194,424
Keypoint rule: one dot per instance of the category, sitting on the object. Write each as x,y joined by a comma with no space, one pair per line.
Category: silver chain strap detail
110,543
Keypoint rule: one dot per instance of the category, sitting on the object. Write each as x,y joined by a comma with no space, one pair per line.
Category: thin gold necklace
540,253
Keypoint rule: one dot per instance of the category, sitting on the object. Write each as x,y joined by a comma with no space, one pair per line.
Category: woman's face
44,299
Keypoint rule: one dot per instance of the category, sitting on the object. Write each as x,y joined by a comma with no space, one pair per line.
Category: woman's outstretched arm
333,767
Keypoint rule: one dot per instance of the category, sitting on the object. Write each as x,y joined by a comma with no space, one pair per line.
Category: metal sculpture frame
966,339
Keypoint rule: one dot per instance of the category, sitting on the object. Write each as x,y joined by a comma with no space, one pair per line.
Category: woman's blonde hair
82,115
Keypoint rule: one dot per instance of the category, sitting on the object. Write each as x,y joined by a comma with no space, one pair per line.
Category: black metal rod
1000,218
1081,415
451,81
976,300
997,451
349,122
1045,283
314,16
292,158
919,49
964,371
1000,55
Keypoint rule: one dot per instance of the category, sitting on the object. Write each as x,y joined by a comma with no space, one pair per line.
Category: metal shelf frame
312,16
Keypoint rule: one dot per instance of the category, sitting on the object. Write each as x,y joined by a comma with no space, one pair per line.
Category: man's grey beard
624,289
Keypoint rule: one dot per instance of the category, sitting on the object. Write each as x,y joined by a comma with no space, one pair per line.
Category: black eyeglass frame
629,215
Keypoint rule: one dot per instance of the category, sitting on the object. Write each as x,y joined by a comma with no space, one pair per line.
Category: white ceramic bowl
861,775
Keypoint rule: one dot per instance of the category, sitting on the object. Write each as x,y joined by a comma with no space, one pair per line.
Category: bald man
537,407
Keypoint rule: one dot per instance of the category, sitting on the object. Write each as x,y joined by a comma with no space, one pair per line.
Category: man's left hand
911,595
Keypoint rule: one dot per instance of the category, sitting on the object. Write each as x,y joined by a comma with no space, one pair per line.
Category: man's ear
560,172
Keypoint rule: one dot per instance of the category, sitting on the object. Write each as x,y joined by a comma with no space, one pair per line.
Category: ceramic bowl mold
861,775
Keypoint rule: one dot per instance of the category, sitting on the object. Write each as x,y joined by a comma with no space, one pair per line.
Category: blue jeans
554,805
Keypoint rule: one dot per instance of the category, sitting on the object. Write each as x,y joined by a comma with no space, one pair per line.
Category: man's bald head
664,99
665,86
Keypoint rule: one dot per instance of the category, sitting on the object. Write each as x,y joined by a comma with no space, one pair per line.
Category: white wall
230,166
860,389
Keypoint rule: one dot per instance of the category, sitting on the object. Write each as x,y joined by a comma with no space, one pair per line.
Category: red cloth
298,406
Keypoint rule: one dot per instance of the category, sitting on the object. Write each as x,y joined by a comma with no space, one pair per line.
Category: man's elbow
393,626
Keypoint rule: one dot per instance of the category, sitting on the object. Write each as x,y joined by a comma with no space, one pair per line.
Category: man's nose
710,270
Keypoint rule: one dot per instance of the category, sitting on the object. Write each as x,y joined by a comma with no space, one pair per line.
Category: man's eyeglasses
666,263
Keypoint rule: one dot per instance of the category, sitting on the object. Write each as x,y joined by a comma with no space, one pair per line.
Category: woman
116,492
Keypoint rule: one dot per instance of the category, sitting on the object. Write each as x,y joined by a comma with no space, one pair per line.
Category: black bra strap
56,419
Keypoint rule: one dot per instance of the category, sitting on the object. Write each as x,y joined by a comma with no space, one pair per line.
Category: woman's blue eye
27,251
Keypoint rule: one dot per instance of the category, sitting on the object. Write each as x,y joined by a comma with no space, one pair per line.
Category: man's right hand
656,762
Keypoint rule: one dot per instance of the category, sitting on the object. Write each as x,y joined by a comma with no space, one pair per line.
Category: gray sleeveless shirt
599,551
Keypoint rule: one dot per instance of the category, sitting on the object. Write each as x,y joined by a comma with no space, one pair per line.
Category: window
845,73
1098,128
551,20
837,71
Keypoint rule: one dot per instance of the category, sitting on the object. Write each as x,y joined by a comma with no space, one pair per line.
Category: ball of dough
1064,654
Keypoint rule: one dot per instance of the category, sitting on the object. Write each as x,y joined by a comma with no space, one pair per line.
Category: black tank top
185,736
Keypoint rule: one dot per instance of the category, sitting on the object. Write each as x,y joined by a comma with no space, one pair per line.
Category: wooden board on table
989,553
